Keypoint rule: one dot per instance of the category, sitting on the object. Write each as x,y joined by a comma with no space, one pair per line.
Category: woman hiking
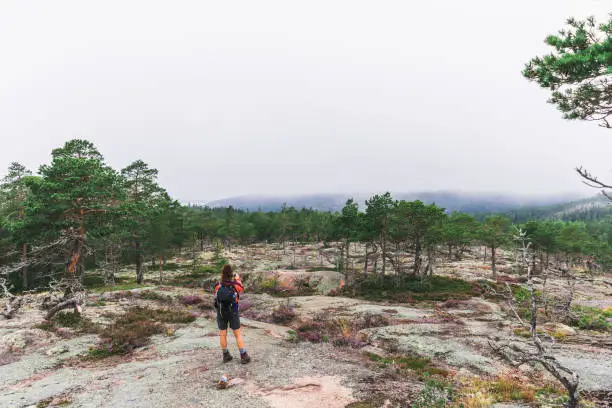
227,296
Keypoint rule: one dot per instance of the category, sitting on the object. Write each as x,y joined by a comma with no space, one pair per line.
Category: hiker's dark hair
226,273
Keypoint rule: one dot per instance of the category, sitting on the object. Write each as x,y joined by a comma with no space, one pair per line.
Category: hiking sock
225,351
242,351
244,357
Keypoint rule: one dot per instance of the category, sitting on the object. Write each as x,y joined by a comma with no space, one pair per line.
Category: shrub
450,304
507,388
205,270
511,279
46,326
370,320
484,392
170,266
93,280
321,268
283,314
68,319
153,295
192,300
135,327
410,288
306,285
311,331
258,283
75,321
420,365
270,285
221,262
341,332
122,338
123,286
589,318
434,394
163,315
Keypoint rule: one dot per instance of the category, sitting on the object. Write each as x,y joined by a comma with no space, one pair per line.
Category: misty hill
586,209
451,201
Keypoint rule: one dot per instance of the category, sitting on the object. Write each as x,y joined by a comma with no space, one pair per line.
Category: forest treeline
77,212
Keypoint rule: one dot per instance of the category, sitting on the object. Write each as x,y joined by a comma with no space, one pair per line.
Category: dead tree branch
13,303
592,181
518,356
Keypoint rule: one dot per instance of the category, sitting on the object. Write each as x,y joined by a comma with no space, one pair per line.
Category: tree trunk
384,255
572,392
139,270
493,267
376,265
25,266
431,259
347,266
109,270
417,257
75,256
72,284
365,268
161,270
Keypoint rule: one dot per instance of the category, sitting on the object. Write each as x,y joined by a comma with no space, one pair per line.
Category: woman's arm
238,283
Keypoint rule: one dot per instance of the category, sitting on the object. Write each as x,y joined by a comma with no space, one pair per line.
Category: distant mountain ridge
451,201
586,209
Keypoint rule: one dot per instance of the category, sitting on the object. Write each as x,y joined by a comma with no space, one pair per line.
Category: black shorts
233,320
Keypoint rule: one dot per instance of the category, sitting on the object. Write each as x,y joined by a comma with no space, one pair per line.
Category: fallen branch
11,307
66,304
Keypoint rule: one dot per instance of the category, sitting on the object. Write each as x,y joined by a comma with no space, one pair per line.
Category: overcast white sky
240,97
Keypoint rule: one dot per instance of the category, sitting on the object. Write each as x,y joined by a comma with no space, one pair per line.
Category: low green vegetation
115,288
154,295
591,318
170,266
373,403
134,329
340,331
64,402
322,268
195,276
421,366
434,394
436,288
74,321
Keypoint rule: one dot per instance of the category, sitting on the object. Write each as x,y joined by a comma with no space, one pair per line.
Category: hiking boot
227,357
245,359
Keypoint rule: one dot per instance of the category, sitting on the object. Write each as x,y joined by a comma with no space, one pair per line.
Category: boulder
559,329
18,340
